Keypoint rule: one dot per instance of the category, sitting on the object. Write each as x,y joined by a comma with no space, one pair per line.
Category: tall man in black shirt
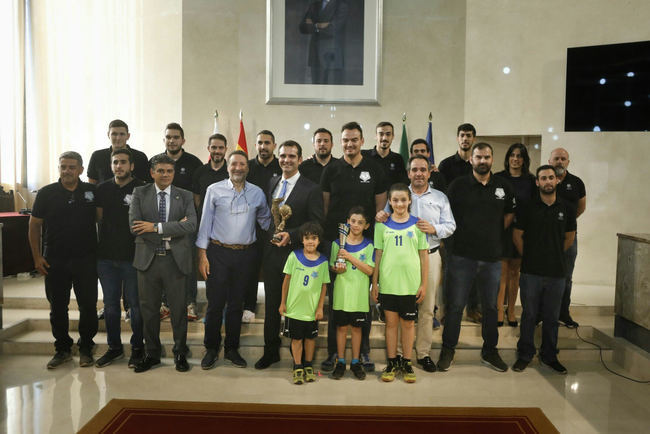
483,205
572,189
99,167
390,161
213,171
115,253
544,229
313,167
66,212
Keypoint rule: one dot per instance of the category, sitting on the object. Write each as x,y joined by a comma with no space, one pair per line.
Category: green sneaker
310,377
298,376
390,371
407,372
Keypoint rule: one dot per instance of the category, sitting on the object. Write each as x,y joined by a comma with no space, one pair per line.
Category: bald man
572,189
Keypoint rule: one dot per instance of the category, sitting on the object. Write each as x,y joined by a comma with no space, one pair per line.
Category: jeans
462,274
570,255
115,275
536,291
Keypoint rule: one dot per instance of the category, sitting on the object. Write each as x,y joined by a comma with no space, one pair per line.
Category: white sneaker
248,316
191,312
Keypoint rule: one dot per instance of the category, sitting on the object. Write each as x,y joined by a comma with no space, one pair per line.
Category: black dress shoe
267,360
235,358
210,359
145,364
181,363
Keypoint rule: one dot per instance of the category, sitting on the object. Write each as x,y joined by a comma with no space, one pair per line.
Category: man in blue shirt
225,240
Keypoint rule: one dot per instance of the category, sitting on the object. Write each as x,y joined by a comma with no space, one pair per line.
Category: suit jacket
144,206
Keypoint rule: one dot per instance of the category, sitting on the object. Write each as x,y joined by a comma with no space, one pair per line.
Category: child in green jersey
400,278
351,296
303,294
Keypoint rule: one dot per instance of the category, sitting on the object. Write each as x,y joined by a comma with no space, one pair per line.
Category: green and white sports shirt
307,278
351,289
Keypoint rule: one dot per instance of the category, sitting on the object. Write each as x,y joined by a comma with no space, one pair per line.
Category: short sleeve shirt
348,187
69,229
453,167
351,288
545,227
524,186
399,268
184,170
313,170
260,174
307,278
479,212
393,165
571,189
204,177
99,166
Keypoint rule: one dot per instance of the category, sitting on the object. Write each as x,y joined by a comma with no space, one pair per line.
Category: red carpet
134,416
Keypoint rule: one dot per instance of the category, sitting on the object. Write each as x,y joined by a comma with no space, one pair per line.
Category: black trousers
250,294
273,264
226,285
79,274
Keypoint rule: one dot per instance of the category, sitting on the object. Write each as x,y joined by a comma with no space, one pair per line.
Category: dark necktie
162,217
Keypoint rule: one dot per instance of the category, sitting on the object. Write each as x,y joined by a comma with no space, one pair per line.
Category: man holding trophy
294,200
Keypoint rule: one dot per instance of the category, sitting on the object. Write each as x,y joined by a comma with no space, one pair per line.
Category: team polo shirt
524,186
348,187
571,189
184,170
393,165
312,169
99,166
545,227
69,229
204,177
399,268
479,210
260,174
437,181
351,287
115,239
307,278
453,167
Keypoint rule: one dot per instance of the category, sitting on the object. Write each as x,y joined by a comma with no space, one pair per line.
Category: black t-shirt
571,189
99,167
524,185
204,177
184,169
312,169
453,167
393,166
479,210
350,186
260,175
69,229
437,181
545,227
115,239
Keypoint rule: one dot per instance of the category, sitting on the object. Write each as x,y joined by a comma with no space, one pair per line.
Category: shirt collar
168,190
293,179
427,191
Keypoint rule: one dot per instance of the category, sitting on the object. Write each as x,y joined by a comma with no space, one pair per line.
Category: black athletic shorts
296,329
404,305
342,318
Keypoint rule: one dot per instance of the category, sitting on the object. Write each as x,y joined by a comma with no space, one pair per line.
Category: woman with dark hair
517,163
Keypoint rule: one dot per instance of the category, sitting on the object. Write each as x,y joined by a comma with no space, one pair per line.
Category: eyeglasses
239,204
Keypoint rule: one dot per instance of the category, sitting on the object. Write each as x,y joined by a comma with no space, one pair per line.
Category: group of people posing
360,228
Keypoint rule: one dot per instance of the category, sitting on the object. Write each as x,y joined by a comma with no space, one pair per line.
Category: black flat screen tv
608,88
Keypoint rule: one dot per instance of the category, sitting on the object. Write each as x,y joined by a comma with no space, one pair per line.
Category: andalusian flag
241,141
404,145
430,141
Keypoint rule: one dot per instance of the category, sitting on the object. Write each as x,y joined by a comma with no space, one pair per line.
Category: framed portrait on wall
323,51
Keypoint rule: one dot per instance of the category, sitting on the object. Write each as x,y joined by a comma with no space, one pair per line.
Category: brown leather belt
231,246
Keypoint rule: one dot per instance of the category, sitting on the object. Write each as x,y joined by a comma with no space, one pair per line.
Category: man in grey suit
163,219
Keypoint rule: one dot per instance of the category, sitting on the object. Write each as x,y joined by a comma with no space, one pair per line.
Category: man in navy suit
306,201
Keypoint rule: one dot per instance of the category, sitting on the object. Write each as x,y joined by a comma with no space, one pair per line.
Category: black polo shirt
453,167
437,181
571,189
393,165
205,176
524,185
115,239
312,169
184,169
545,227
350,186
479,210
99,167
69,229
260,174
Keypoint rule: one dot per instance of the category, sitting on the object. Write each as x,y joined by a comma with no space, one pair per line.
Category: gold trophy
280,216
344,230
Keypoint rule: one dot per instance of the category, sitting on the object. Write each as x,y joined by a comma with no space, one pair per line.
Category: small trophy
344,230
280,216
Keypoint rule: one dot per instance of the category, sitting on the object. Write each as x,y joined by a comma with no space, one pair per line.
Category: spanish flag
241,142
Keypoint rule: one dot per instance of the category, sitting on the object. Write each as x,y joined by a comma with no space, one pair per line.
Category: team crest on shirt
560,216
569,187
392,166
89,196
314,274
364,176
499,193
410,234
128,199
362,257
182,171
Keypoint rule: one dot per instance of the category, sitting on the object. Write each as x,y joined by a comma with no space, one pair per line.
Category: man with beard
390,161
544,229
571,189
313,167
483,205
115,253
213,171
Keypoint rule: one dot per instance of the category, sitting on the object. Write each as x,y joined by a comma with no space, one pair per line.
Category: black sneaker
59,358
210,359
328,364
339,371
569,323
555,365
358,371
368,364
137,354
520,365
109,357
494,361
236,359
427,364
86,357
267,360
446,359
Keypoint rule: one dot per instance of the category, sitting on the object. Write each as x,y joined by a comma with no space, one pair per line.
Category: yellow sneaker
309,374
298,376
389,372
408,373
